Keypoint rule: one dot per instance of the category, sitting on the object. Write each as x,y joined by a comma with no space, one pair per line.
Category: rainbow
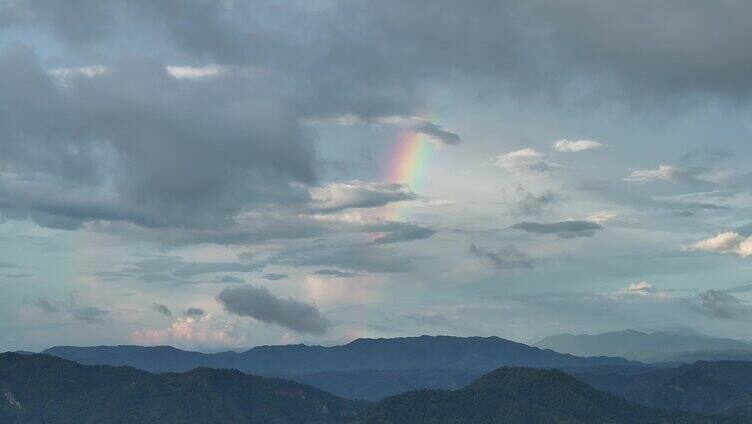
407,165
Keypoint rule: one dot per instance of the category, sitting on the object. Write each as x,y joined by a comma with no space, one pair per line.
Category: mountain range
405,353
39,388
362,369
650,347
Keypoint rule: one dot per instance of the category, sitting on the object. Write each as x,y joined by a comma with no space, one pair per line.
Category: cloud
262,305
525,161
273,276
371,258
358,194
390,44
228,279
175,269
725,242
565,145
193,313
191,332
642,289
720,304
670,173
195,72
422,126
335,273
46,306
507,258
398,232
562,229
71,307
603,216
100,154
89,314
530,204
162,309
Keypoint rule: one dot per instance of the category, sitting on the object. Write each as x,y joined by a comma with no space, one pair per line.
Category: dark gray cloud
335,273
46,306
228,279
260,304
507,258
530,204
7,265
398,232
193,313
134,144
89,314
721,304
371,47
271,276
422,126
71,307
162,309
562,229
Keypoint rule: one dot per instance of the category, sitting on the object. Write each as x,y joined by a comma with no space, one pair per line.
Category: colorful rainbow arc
407,165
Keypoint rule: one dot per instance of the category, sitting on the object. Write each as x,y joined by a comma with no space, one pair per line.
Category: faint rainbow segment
408,161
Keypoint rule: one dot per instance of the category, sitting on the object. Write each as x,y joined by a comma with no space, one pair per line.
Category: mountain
408,353
45,389
519,396
705,355
712,387
639,346
378,384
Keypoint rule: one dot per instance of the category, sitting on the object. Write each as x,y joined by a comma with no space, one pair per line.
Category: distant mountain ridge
407,353
646,347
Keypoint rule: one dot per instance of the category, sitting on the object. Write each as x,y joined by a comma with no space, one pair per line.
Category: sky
222,174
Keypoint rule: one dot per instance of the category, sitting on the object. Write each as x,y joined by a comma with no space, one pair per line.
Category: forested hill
522,396
712,387
45,389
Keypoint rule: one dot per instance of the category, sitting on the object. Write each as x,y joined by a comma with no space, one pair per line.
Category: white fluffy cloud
525,161
565,145
726,242
670,173
641,289
357,194
190,331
